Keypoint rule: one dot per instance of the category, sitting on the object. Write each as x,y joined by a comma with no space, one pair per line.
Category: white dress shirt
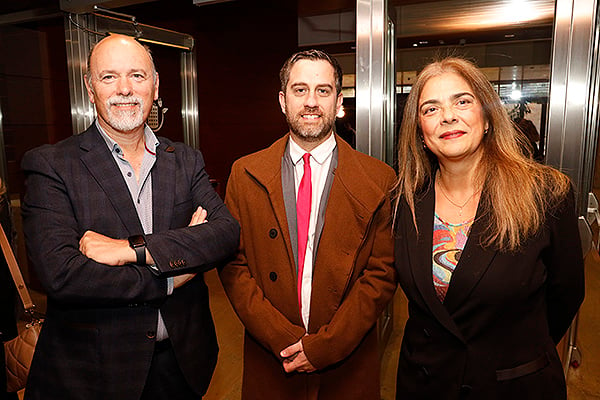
320,161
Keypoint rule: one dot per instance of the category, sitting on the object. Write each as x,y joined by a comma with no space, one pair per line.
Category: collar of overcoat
475,260
102,167
353,200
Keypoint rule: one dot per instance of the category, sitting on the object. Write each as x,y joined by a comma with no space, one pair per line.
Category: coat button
150,334
273,233
426,333
273,276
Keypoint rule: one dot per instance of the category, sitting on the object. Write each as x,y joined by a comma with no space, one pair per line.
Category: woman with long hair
487,247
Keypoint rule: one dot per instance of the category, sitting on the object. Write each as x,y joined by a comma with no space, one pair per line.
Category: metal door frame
573,114
375,79
376,98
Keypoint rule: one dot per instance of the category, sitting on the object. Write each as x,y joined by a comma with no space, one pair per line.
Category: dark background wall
34,91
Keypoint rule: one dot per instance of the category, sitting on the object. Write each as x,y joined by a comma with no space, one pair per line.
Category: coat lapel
322,209
474,262
352,202
266,170
421,262
163,188
101,166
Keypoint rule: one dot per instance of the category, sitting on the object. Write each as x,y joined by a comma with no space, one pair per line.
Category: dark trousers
165,379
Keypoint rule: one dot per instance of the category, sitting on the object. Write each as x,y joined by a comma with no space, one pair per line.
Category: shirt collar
150,139
319,153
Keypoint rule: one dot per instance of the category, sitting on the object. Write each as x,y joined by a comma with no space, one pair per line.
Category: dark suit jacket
494,336
353,278
98,337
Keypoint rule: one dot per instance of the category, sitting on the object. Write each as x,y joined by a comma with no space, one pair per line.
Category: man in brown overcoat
314,269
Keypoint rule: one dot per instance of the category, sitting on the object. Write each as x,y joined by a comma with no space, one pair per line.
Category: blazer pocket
523,369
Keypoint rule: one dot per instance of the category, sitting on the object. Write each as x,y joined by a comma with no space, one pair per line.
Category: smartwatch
138,243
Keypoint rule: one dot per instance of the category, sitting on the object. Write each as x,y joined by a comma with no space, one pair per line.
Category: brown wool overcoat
353,278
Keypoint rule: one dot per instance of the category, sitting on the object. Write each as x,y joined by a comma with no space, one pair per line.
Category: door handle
585,224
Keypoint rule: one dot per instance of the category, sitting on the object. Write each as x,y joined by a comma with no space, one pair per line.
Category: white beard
128,120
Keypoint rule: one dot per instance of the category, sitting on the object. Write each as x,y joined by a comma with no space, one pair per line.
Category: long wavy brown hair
517,190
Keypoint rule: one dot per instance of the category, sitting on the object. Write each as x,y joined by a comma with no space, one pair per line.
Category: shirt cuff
170,285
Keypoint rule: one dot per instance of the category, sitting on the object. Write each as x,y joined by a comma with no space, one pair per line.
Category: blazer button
172,264
273,276
426,333
273,233
150,334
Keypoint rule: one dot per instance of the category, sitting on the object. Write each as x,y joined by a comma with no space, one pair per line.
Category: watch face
136,241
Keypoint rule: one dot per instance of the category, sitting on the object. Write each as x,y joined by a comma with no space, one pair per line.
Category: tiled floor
583,382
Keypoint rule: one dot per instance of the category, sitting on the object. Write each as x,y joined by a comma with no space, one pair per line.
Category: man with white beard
120,226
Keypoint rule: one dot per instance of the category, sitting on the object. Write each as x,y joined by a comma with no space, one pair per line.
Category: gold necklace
460,207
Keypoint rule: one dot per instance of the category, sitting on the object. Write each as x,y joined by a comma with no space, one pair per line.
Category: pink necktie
303,218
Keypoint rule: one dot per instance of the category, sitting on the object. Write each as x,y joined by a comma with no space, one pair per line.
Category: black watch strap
138,243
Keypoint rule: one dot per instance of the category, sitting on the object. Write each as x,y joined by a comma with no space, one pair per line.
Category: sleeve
52,237
369,294
203,246
261,319
565,266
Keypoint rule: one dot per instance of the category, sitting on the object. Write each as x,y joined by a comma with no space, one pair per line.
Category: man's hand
180,280
198,217
106,250
295,359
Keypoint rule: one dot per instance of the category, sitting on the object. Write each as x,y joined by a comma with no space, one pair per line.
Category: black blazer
494,336
98,338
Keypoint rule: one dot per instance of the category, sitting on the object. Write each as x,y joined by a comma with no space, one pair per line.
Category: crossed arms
66,198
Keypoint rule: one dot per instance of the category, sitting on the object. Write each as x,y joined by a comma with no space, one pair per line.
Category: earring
485,131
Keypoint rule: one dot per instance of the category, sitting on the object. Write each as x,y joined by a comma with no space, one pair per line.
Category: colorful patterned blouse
448,243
